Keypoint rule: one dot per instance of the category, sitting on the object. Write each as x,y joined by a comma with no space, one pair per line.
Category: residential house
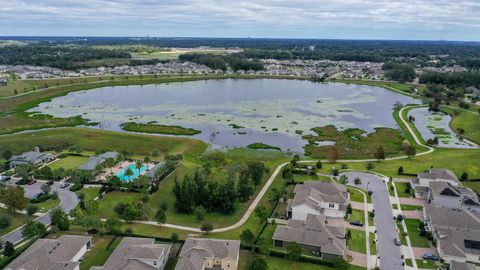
62,253
317,197
455,231
444,194
314,235
422,182
462,266
35,158
94,161
137,253
203,254
475,92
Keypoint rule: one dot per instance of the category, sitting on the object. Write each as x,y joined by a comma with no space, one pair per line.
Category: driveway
68,201
389,254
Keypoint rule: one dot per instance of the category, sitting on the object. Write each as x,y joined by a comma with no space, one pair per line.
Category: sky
339,19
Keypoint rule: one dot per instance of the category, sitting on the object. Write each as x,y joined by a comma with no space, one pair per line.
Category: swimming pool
136,172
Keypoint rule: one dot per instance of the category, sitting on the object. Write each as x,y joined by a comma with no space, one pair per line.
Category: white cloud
402,19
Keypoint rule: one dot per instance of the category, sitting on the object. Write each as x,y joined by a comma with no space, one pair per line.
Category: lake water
431,124
269,110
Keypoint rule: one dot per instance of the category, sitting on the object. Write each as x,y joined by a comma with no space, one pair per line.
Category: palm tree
110,162
147,159
138,166
129,173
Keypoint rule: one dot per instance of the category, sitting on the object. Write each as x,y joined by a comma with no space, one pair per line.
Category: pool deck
119,167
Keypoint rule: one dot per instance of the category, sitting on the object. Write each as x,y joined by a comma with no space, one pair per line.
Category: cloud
400,19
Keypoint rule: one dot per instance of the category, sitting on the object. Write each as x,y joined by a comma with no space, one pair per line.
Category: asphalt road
68,201
389,253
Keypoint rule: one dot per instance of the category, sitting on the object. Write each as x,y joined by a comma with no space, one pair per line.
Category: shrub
5,221
76,187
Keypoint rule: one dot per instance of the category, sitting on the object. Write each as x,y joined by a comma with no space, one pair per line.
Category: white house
316,197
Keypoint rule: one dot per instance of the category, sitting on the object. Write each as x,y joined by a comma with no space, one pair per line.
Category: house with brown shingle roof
317,197
62,253
314,235
209,254
137,254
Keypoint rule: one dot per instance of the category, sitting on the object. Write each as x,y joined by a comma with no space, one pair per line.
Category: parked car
430,256
65,185
397,242
38,195
356,223
4,178
32,182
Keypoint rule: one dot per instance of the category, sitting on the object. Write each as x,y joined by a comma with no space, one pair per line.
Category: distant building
444,194
318,198
137,253
35,158
94,161
314,235
456,233
206,254
422,182
63,253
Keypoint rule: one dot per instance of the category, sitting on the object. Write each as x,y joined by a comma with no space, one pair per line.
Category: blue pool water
136,172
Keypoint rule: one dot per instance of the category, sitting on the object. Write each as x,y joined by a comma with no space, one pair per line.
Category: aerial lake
269,111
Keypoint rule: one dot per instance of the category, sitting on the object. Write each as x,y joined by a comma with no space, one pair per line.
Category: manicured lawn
107,204
357,215
414,234
70,162
406,207
90,193
373,245
17,220
390,189
422,264
371,220
47,205
103,247
357,241
401,188
403,239
357,196
467,121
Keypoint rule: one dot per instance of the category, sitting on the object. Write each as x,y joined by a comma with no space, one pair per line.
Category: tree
5,221
92,223
129,173
138,166
160,216
7,154
147,160
174,237
370,166
46,188
206,228
200,213
9,249
257,263
34,229
257,170
319,164
357,181
343,179
60,219
341,263
400,170
261,213
410,151
243,187
109,163
349,209
263,245
247,237
113,225
333,155
32,209
464,176
274,195
14,198
294,251
380,153
154,153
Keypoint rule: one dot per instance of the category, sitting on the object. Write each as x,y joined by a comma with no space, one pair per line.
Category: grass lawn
371,220
17,220
90,193
422,264
390,189
357,196
47,205
100,251
357,215
401,188
357,241
414,234
373,244
69,162
467,121
107,204
406,207
403,239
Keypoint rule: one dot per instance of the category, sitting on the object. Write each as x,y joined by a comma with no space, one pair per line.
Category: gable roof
462,266
30,157
195,250
311,192
313,232
51,254
131,251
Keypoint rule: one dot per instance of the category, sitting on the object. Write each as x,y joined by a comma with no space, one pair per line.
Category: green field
158,129
90,193
17,220
468,121
69,162
414,234
108,202
357,196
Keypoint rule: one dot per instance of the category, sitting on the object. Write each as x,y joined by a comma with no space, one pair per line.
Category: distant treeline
235,61
453,79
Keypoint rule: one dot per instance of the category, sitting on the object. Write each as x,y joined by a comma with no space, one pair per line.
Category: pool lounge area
136,172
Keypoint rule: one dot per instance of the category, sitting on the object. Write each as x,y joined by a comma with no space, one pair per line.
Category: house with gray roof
63,253
317,197
137,253
422,182
456,233
35,158
462,266
474,91
314,235
209,254
444,194
94,161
